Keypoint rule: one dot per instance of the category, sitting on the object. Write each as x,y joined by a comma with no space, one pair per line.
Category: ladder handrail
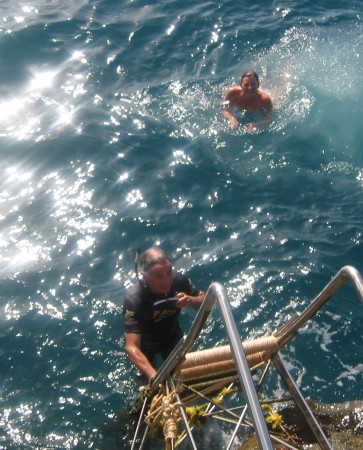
177,356
217,292
244,374
290,328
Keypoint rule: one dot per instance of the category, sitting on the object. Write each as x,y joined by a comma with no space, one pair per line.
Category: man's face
249,85
159,278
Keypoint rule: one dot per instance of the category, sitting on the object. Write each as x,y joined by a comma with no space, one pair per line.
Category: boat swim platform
191,388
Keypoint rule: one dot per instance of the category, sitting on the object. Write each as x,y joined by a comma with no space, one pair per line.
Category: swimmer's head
152,257
157,270
250,81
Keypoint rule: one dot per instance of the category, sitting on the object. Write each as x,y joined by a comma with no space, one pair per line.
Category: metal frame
217,293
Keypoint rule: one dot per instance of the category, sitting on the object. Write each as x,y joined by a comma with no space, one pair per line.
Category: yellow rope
225,391
164,415
195,414
272,417
276,420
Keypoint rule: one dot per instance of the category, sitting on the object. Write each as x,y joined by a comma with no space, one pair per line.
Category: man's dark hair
153,256
251,73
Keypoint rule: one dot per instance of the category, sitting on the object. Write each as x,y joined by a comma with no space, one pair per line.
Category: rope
223,353
219,361
217,368
164,413
170,429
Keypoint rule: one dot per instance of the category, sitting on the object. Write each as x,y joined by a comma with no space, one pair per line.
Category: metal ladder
217,294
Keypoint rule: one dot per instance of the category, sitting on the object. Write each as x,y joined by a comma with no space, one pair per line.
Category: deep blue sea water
111,139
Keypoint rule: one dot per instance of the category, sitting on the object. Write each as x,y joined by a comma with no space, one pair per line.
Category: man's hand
187,300
233,123
184,300
250,127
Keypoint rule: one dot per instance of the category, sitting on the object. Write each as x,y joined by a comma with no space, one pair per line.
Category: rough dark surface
342,423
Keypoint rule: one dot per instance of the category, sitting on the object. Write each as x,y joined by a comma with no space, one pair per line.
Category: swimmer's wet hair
153,256
251,73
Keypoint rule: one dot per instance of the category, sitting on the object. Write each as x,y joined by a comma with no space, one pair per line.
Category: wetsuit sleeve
193,290
187,286
131,322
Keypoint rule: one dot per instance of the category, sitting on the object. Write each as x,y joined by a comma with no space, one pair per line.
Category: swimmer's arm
186,300
233,122
229,100
259,124
137,357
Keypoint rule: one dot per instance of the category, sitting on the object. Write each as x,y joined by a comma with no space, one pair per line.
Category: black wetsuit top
160,329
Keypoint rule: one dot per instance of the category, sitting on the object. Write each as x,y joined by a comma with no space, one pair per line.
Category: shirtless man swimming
249,97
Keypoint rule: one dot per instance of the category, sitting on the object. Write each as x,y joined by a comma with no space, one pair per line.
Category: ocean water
111,139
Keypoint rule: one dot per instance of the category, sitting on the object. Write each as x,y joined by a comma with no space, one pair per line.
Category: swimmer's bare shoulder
265,102
233,94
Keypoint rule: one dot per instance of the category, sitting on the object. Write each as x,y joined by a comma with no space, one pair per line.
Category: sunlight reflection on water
67,209
114,125
47,103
